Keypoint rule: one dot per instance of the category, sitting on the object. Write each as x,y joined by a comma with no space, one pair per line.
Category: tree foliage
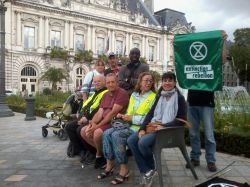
58,52
157,77
241,53
84,56
54,76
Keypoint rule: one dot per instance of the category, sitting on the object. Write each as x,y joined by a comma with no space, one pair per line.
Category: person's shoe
211,167
89,158
100,162
149,178
194,163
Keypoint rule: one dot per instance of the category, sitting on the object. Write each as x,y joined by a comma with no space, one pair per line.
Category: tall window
151,53
79,77
29,37
100,45
79,42
55,39
119,47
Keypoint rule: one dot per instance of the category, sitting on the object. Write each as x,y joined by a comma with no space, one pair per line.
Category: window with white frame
100,45
151,53
119,47
79,42
79,77
55,38
29,37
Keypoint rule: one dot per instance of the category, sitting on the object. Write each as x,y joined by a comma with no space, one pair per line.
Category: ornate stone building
34,26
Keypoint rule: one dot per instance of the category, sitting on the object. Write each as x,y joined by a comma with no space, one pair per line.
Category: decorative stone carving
103,2
30,18
56,22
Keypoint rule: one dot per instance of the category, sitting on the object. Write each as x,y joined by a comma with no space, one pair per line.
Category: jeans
114,144
142,150
196,115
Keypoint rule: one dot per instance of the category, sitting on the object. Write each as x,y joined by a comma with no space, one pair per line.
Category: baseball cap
119,63
111,54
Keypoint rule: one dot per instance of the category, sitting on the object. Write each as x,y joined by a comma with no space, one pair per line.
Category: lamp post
5,111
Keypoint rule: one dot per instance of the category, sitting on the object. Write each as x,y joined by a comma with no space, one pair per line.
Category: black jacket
181,113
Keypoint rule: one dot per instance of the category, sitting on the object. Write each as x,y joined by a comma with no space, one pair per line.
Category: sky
207,15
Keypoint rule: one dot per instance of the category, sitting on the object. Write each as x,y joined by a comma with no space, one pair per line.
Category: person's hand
141,133
119,115
127,118
89,131
82,121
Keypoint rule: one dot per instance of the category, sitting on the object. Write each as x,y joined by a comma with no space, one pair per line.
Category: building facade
34,26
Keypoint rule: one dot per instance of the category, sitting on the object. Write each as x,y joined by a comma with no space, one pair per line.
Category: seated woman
168,106
114,140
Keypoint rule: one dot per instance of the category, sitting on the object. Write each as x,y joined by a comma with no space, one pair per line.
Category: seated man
114,101
89,108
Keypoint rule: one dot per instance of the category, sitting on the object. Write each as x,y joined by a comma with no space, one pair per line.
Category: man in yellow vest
89,108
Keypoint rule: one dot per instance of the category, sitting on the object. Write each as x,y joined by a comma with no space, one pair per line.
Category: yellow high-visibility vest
96,102
144,108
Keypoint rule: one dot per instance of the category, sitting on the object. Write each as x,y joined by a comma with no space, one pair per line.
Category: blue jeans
142,150
114,144
196,115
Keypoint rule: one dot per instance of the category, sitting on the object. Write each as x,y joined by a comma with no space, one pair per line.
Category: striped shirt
88,79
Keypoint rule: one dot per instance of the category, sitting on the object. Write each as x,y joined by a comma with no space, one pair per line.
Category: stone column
146,47
143,47
109,38
46,32
66,35
18,29
88,39
71,35
158,49
93,40
113,41
130,41
40,32
127,44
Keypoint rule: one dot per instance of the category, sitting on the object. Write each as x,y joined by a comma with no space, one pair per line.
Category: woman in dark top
168,106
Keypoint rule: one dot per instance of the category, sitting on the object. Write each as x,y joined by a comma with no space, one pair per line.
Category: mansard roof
169,18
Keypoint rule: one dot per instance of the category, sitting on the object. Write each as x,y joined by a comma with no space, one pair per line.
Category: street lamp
5,111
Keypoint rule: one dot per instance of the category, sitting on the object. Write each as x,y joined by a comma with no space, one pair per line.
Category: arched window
80,73
28,71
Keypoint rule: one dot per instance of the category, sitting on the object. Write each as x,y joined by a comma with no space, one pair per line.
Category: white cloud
206,15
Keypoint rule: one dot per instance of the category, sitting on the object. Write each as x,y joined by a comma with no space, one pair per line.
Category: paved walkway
28,159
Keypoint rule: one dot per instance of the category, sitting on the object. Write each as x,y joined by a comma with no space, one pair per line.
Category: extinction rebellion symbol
198,51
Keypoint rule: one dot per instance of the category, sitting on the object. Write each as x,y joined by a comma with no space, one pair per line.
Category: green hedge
21,109
228,142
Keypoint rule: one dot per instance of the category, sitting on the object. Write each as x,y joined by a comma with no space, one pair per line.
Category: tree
157,77
240,52
54,76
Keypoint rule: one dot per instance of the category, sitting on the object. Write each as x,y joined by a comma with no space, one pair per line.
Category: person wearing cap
128,75
168,106
88,87
113,64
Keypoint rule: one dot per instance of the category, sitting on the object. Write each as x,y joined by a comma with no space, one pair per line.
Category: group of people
127,94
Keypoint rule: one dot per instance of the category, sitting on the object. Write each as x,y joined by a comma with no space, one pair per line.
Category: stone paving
28,159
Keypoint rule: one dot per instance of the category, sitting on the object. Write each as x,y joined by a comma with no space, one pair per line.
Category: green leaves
54,76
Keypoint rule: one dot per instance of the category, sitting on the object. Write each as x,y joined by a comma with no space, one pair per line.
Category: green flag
198,60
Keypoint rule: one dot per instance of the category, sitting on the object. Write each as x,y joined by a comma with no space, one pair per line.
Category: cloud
206,15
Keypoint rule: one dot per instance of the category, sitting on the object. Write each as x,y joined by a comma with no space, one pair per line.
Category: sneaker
100,162
211,167
194,163
149,178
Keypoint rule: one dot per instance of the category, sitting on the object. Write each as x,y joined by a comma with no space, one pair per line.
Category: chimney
150,5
